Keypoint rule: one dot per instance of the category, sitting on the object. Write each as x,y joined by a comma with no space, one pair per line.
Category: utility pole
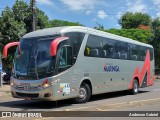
33,2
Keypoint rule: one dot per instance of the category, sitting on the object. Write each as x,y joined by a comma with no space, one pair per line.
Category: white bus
77,62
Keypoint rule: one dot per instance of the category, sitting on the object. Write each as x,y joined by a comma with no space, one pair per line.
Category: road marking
156,89
80,108
130,102
145,100
118,103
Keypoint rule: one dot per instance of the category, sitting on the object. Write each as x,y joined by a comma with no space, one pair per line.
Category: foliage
57,23
99,27
23,12
135,34
17,21
133,20
156,40
11,30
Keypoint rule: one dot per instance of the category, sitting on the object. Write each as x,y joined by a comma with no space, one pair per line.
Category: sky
91,12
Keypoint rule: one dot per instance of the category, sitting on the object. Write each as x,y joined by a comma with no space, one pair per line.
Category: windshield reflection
34,58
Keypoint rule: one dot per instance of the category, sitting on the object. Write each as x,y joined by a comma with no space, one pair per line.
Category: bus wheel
135,88
84,94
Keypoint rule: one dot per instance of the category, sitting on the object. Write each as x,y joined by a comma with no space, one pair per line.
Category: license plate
27,98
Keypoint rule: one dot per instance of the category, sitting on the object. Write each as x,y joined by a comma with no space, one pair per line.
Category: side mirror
55,43
6,47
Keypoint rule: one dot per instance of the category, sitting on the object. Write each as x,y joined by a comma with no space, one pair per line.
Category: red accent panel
55,43
6,47
146,68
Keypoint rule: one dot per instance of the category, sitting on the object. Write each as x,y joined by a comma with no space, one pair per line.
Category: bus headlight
45,84
12,83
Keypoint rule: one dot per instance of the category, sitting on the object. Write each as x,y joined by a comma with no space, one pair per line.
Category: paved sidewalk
4,90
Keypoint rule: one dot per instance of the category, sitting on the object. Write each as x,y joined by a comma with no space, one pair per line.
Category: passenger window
108,48
121,50
94,46
134,52
142,53
151,53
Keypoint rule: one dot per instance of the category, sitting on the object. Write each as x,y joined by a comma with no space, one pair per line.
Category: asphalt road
147,100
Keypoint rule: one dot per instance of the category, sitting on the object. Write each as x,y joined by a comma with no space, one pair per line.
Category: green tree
17,21
135,34
133,20
58,23
99,27
11,30
23,12
155,25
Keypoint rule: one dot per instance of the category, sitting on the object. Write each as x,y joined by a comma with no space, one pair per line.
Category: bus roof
61,30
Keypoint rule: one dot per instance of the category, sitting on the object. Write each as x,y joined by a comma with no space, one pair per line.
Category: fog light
47,95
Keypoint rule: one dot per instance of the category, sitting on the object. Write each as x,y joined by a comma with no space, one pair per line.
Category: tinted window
142,53
121,50
151,53
108,48
93,46
133,52
75,40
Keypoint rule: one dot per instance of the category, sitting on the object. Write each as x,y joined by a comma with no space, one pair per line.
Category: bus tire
135,88
84,94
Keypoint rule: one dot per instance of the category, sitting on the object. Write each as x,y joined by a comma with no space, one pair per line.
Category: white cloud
79,4
136,6
101,14
87,6
157,3
45,2
158,14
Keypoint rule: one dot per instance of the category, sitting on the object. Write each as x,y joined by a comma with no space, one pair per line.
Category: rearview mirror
6,47
55,43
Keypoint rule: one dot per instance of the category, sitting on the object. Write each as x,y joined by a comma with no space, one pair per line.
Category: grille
27,88
27,95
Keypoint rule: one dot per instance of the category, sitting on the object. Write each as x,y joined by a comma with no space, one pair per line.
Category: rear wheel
84,94
135,88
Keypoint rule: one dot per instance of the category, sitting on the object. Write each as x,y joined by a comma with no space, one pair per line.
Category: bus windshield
33,59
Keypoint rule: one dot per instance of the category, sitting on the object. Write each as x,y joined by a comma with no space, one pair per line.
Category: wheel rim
82,93
135,88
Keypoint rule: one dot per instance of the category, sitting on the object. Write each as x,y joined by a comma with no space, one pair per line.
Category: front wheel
135,88
84,94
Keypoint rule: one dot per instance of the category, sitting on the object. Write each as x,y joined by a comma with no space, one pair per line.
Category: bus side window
151,53
94,46
134,52
94,53
108,49
87,51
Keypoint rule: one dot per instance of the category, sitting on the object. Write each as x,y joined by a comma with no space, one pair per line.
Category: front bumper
44,94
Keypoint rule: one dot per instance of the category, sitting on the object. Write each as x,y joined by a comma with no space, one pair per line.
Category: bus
77,62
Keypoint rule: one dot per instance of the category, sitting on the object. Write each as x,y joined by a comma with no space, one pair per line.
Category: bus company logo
111,68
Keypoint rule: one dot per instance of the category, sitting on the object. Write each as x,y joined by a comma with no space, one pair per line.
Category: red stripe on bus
146,68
